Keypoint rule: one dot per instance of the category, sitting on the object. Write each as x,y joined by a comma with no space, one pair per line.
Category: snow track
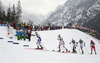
16,53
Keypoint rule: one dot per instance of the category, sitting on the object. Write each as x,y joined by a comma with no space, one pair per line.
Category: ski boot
67,51
59,50
95,53
82,52
37,47
75,51
91,53
41,47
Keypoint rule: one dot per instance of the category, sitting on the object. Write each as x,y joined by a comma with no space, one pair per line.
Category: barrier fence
3,24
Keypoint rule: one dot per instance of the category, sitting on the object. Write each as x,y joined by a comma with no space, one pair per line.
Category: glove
90,46
58,39
38,39
60,43
76,42
33,35
36,42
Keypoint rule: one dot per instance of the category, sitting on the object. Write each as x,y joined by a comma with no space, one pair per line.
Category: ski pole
35,37
43,46
70,46
63,48
79,49
86,50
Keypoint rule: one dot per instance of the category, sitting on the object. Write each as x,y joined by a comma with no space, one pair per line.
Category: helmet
36,33
91,40
59,36
73,40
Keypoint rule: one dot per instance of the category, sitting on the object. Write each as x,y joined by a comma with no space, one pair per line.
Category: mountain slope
92,22
75,12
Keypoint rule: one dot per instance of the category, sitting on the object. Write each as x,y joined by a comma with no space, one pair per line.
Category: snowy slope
14,53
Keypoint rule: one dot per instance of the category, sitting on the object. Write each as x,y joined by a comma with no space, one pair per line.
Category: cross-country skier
38,41
81,45
61,43
74,45
92,45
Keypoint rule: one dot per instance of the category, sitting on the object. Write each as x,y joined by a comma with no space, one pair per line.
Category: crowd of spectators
24,28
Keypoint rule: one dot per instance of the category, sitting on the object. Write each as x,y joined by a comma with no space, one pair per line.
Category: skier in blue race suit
74,45
81,45
38,41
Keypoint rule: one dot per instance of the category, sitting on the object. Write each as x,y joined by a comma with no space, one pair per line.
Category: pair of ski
47,50
35,49
61,51
51,50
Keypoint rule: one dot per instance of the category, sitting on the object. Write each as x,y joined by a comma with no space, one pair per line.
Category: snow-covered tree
13,14
1,10
19,11
9,14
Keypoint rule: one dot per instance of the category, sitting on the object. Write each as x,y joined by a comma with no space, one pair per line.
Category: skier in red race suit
92,45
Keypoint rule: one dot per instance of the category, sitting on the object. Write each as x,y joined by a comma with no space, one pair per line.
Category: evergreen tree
13,14
9,14
0,10
19,11
4,16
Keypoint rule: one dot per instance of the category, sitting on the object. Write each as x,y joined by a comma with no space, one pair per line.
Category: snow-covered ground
16,53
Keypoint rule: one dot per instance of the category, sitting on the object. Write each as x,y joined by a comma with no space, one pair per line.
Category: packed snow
16,53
